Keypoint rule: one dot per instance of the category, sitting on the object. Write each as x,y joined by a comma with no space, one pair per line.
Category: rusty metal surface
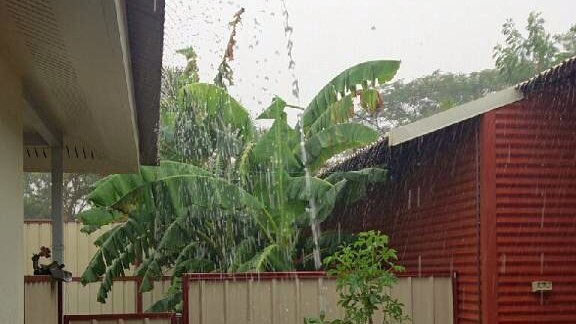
513,180
429,208
536,208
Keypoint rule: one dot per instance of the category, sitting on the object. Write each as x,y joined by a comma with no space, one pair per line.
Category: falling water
312,210
311,201
288,30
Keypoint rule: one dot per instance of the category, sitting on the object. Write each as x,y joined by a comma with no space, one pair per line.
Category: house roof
453,116
90,76
145,20
563,74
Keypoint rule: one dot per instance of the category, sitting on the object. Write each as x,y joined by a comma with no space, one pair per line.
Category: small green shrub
365,271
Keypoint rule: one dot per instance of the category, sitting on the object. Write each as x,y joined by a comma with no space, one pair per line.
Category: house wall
11,201
430,209
535,207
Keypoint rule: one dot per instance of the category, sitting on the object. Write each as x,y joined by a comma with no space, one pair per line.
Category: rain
346,163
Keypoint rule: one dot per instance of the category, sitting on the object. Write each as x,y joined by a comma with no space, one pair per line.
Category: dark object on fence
54,269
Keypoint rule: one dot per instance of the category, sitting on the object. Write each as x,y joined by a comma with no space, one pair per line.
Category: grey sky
330,35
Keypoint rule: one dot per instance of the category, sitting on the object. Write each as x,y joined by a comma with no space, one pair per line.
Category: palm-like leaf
363,74
357,183
118,248
225,215
215,102
275,110
338,112
336,139
263,260
177,196
202,122
114,189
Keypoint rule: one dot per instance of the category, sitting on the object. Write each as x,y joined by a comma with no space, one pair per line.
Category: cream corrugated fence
289,298
265,299
78,247
78,250
149,318
40,301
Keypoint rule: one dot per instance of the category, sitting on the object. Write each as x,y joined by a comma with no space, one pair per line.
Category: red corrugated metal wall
430,209
535,184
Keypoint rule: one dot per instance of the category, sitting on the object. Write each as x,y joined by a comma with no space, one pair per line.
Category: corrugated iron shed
491,197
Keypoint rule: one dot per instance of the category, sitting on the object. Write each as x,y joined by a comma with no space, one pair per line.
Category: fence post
139,297
60,302
455,297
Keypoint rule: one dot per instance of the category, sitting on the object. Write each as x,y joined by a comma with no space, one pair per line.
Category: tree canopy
521,56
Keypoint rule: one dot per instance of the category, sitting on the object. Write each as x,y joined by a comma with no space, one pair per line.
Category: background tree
567,44
406,102
521,56
37,194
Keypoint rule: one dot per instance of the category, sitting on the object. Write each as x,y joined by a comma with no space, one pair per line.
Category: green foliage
224,70
169,208
365,272
521,57
206,124
425,96
337,139
37,193
275,110
191,70
237,201
567,43
357,183
200,123
365,75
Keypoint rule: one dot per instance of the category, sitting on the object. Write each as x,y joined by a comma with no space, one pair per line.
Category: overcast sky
331,35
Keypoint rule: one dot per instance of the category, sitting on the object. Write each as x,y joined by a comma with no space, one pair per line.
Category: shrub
365,270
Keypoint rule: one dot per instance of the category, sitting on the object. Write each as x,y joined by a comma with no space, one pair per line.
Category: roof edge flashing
453,116
123,38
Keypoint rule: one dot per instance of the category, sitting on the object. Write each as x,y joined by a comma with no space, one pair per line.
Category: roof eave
145,23
453,116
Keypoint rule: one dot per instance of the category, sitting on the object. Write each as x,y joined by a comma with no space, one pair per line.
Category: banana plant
204,124
181,217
